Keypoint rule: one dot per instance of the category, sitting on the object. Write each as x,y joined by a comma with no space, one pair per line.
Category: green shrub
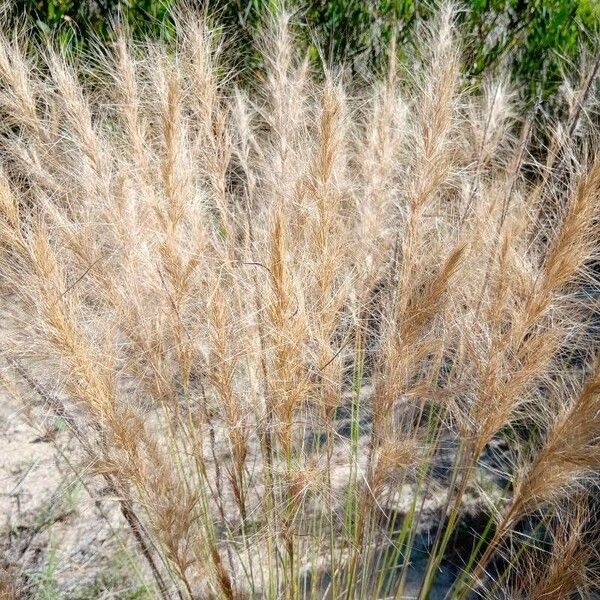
537,38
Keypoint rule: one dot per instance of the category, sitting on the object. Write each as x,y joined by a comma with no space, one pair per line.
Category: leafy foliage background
539,39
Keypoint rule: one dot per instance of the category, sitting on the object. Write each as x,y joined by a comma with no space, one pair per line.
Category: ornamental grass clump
320,337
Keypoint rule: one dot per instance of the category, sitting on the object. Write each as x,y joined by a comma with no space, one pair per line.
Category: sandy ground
55,541
63,536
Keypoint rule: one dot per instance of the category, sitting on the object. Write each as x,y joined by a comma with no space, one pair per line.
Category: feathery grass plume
303,325
565,571
567,458
570,452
